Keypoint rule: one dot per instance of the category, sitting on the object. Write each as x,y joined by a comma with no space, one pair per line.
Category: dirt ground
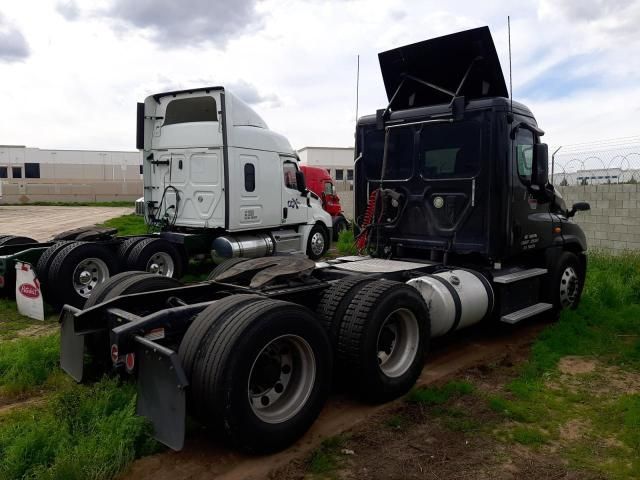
41,223
202,458
414,441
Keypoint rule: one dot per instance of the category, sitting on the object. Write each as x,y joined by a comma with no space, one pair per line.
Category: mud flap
161,392
71,345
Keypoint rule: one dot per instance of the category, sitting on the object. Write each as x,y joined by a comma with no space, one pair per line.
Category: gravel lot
42,223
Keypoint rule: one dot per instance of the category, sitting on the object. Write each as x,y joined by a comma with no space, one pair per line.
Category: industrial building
34,174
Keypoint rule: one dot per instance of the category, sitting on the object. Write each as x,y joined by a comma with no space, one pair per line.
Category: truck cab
210,163
320,182
463,167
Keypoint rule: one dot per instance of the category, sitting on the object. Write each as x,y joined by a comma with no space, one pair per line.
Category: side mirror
578,207
140,127
301,182
540,167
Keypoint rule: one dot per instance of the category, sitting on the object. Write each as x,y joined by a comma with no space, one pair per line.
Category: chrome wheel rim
281,379
88,274
569,286
398,342
317,243
161,263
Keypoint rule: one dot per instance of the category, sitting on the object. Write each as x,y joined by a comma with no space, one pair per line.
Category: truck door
531,223
294,205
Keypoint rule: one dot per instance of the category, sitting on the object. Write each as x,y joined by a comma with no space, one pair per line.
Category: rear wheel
76,270
335,301
15,240
124,283
156,255
125,249
264,375
382,340
318,243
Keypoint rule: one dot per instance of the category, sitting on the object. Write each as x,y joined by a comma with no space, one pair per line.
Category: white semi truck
217,181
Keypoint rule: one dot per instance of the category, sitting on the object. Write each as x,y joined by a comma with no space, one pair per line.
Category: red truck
320,182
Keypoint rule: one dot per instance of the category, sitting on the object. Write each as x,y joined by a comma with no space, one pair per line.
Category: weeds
440,395
326,459
27,362
346,243
81,433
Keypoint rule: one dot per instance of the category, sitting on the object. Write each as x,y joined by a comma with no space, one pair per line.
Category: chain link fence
615,161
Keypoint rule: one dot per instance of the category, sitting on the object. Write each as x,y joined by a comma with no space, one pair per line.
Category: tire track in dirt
204,458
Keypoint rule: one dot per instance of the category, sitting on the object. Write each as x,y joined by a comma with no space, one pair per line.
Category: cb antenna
510,75
357,86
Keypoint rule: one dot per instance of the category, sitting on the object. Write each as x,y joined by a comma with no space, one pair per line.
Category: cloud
251,95
68,9
188,22
13,45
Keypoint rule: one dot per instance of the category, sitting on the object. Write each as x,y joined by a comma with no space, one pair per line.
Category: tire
340,225
366,331
125,283
125,249
63,287
334,303
152,253
224,266
44,263
227,375
318,242
15,240
197,334
567,281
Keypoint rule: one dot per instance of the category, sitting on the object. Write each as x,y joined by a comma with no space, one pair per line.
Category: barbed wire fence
610,161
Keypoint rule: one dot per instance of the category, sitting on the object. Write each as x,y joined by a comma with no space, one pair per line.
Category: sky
72,71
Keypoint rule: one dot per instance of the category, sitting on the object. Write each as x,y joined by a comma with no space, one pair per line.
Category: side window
524,153
328,188
250,177
32,170
290,169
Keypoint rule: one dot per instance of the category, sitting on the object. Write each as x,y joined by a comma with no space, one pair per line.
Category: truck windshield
449,150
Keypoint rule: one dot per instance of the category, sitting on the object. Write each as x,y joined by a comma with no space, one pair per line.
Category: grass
11,322
127,224
27,363
125,203
604,329
81,433
325,460
440,394
346,243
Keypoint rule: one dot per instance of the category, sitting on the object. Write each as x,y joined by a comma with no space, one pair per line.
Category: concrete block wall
613,224
42,190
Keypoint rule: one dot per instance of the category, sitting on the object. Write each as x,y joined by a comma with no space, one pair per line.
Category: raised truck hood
443,62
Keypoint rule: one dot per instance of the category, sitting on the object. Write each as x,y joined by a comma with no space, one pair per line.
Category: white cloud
296,62
13,45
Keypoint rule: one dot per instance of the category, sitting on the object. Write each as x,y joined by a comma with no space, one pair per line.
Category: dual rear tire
70,271
259,370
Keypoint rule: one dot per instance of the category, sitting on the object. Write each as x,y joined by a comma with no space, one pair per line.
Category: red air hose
361,241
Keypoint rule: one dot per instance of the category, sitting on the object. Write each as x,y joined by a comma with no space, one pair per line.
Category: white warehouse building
34,174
